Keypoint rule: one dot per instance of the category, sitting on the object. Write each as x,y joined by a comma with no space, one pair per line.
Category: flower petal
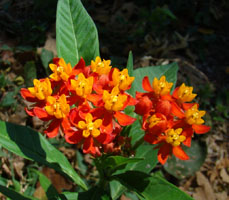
53,129
88,146
179,153
25,93
200,129
146,84
176,110
163,153
124,119
42,114
74,138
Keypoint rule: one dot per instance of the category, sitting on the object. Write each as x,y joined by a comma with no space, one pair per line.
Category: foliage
101,110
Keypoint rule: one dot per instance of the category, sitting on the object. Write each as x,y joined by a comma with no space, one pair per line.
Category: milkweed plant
128,120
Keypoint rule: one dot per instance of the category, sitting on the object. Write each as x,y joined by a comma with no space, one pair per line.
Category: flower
184,93
100,67
61,70
122,79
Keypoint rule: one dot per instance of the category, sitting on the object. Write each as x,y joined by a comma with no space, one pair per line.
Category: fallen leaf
224,175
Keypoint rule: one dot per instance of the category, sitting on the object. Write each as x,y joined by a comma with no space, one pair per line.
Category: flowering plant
125,122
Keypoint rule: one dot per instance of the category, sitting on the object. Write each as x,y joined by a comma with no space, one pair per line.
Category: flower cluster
84,103
169,120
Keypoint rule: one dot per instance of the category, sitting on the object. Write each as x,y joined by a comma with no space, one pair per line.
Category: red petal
163,107
42,114
73,138
146,84
143,106
66,125
30,112
25,93
53,129
187,106
188,134
95,99
175,93
79,67
176,110
179,153
124,119
200,129
88,146
164,153
107,126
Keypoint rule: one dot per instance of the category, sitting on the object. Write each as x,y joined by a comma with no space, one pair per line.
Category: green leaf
95,193
150,187
31,145
30,72
170,71
68,196
14,195
145,151
130,67
76,33
46,58
50,191
114,162
181,169
8,100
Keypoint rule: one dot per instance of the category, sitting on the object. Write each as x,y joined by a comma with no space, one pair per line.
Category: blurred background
193,33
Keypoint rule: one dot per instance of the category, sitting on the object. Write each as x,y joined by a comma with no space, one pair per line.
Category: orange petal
176,110
175,92
146,84
179,153
124,119
143,106
200,129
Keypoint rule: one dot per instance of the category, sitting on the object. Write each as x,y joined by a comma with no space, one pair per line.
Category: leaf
170,71
181,169
76,33
8,100
95,193
14,195
130,67
46,58
150,187
49,189
30,72
145,151
31,145
114,162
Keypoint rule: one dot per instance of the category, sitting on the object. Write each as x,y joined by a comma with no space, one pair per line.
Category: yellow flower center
122,79
89,127
82,86
153,120
60,72
194,116
41,89
114,101
174,137
185,93
101,67
57,107
161,86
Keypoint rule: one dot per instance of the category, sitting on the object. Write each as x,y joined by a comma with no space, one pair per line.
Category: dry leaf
224,175
204,183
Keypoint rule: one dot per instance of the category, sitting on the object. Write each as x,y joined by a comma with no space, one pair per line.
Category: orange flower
61,71
168,144
100,67
184,93
122,79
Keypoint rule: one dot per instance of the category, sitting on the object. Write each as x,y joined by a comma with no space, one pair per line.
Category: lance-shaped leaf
31,145
151,187
76,33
